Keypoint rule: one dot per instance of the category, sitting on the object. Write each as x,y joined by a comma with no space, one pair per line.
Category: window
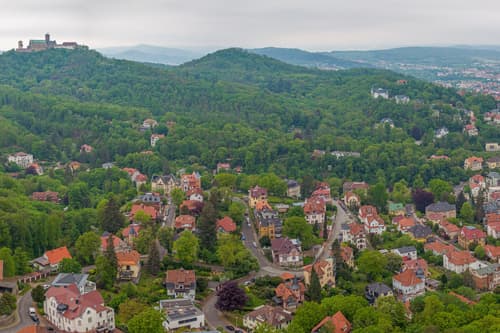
90,319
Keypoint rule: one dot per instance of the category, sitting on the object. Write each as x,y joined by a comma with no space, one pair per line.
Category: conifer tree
110,217
207,227
314,287
153,263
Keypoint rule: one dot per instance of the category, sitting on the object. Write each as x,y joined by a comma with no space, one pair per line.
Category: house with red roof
129,265
473,163
118,243
460,261
315,210
450,230
347,255
492,252
185,222
471,235
405,224
223,167
70,311
416,265
437,248
273,316
477,183
322,191
324,270
226,225
289,294
193,207
407,285
151,211
190,181
181,283
493,225
85,148
131,232
46,196
338,322
52,258
155,138
352,200
354,233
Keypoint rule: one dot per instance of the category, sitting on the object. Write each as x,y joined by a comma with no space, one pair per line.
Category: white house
155,138
70,311
23,160
379,92
181,283
374,225
409,252
460,261
181,313
407,285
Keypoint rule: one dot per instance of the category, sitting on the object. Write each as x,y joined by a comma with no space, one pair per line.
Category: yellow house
255,195
129,265
325,271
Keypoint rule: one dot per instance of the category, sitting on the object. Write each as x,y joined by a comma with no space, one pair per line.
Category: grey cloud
312,24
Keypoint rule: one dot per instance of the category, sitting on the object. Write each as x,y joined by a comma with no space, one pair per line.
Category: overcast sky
307,24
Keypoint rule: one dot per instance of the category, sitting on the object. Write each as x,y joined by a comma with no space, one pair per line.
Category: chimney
1,270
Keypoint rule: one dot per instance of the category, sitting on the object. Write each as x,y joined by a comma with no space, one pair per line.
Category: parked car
243,237
230,328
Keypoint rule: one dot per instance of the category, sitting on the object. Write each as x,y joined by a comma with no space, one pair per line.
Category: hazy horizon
318,25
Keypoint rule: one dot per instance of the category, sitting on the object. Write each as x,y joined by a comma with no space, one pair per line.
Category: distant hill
438,56
306,58
151,54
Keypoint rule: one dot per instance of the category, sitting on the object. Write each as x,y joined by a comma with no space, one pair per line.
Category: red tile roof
117,242
438,247
460,258
128,257
183,276
55,256
315,205
407,278
131,229
149,210
76,302
472,233
226,224
492,251
338,321
366,210
185,222
406,223
356,229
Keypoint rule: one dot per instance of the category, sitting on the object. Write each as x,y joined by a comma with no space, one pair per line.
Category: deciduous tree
230,297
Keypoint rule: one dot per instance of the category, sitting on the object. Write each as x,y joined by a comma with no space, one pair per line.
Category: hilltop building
35,45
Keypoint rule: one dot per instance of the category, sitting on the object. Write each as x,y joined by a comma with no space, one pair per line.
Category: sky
316,25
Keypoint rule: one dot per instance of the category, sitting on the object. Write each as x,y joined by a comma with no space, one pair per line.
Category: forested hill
261,113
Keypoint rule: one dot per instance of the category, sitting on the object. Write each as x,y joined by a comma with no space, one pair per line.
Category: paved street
23,318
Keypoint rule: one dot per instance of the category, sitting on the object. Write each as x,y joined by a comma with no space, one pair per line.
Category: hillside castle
45,44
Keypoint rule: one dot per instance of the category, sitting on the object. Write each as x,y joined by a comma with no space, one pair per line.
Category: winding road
23,318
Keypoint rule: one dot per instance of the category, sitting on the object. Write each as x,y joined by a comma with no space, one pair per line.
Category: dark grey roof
440,207
292,183
407,249
65,279
378,288
420,231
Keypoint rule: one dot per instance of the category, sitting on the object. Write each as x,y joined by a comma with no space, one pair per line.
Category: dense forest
262,114
274,120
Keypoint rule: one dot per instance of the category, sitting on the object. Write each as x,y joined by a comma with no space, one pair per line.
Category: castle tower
47,38
20,44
